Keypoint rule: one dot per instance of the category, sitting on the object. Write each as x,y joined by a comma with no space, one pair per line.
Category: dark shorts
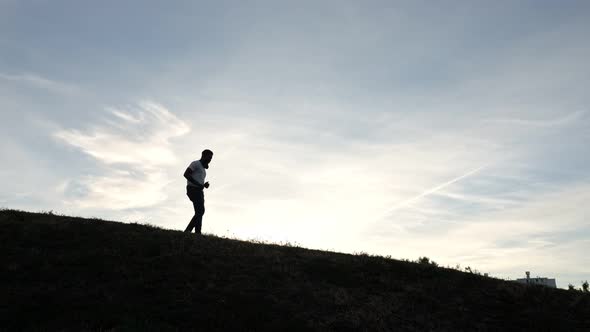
194,193
197,197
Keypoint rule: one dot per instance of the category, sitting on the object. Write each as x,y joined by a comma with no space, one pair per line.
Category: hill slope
64,273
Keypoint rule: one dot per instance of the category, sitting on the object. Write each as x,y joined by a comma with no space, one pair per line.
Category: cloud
546,123
533,230
433,190
140,139
536,231
133,148
42,83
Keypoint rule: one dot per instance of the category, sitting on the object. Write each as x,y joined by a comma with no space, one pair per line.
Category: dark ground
61,273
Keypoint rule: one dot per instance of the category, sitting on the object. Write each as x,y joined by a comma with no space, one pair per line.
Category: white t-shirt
198,174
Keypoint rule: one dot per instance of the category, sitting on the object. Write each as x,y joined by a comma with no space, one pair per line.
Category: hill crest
66,273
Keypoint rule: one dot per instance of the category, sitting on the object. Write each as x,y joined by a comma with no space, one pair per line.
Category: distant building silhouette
537,281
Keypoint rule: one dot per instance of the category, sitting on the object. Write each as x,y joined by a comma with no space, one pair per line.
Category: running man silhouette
195,177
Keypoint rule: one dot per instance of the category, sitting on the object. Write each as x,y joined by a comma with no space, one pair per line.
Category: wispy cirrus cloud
542,123
138,137
433,190
543,231
134,149
536,228
41,82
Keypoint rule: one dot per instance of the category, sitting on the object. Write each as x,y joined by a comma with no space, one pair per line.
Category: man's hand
206,185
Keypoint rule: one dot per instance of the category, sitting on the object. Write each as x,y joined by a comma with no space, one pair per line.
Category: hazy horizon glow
402,128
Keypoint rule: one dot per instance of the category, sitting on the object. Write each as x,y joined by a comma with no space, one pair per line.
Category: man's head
206,157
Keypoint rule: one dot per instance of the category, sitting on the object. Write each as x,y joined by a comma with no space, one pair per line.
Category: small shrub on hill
425,260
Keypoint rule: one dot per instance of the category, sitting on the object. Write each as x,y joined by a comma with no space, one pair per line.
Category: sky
455,130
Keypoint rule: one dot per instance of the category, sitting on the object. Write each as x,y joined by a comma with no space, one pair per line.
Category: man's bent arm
187,175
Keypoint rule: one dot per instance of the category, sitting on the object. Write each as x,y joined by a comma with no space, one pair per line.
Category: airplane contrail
431,191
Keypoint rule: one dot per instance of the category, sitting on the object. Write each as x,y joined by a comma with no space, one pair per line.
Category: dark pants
196,196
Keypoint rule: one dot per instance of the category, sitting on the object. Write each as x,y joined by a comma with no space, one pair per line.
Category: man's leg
191,224
199,207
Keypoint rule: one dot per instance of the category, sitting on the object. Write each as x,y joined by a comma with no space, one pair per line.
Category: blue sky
455,130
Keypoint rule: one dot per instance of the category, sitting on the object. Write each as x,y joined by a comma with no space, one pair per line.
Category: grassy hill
73,274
